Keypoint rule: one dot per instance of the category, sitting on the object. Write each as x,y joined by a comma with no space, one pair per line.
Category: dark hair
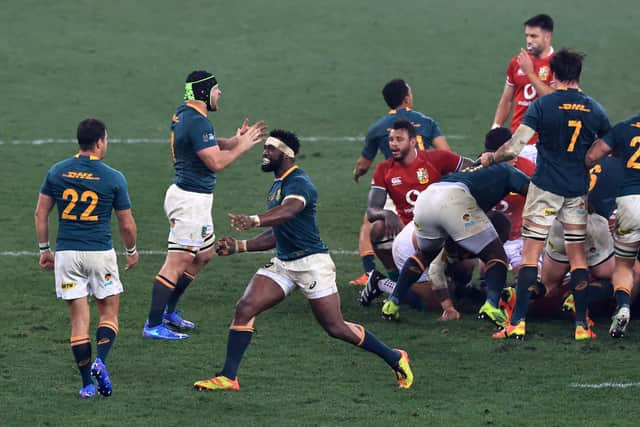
289,138
542,21
495,138
566,65
394,92
407,125
89,132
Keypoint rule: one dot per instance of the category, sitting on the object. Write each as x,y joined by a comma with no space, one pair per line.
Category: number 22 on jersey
72,196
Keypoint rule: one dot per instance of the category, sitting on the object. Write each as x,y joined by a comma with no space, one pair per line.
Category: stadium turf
316,68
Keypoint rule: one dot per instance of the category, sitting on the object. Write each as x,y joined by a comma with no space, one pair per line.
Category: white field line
337,252
605,385
45,141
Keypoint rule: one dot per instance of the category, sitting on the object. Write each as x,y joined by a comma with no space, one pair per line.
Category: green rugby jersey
624,139
86,190
191,132
299,236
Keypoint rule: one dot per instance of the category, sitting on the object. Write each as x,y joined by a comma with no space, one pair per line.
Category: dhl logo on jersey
575,107
81,175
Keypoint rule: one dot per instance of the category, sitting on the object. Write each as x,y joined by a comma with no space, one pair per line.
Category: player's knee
377,231
492,253
245,311
337,330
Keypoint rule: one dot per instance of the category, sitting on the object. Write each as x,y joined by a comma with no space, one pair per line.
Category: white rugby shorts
314,274
190,219
403,248
82,273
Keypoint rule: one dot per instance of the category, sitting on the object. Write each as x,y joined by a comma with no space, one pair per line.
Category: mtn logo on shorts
548,211
396,180
68,285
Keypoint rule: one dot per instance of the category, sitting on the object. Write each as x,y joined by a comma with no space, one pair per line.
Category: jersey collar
395,110
197,108
287,173
77,156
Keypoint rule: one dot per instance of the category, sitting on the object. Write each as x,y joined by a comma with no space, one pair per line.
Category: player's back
624,139
568,122
86,191
191,132
377,137
490,185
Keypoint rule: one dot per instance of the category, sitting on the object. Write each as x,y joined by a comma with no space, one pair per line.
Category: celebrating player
197,155
86,190
301,261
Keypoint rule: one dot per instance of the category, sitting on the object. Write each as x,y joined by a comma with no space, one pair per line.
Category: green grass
316,68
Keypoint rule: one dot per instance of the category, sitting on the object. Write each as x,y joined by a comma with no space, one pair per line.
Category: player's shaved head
89,132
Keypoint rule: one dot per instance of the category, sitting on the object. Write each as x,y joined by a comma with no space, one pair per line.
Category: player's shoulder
380,126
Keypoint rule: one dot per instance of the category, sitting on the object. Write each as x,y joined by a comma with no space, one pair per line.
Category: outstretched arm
290,206
228,245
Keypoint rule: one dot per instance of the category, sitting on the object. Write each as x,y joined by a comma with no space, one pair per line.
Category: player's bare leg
171,315
260,294
328,313
623,283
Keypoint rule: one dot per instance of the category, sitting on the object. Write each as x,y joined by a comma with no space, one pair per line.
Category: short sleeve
202,135
533,115
370,148
45,188
446,161
121,199
605,123
378,176
299,188
610,137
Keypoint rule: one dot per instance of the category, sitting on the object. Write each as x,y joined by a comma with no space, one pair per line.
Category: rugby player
198,154
301,261
398,96
529,76
86,190
567,122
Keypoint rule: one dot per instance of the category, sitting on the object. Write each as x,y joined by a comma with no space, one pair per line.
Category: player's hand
449,313
225,246
525,62
487,159
244,128
253,135
47,260
242,222
132,261
393,225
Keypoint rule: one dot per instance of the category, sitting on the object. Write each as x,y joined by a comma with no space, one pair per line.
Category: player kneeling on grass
301,261
86,190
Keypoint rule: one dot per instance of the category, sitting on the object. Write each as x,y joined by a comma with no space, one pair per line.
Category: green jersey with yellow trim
299,236
567,122
85,190
191,132
624,140
378,134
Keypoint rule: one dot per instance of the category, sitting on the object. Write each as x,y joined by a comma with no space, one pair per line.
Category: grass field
315,68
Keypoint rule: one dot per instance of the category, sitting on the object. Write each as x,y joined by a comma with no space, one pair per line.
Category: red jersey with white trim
513,204
404,183
525,93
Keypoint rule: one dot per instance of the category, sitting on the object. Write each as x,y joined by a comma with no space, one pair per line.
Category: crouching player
301,261
86,190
